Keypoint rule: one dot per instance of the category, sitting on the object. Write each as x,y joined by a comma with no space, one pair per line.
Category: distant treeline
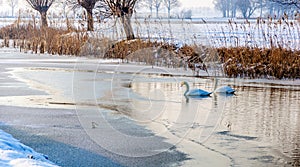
261,8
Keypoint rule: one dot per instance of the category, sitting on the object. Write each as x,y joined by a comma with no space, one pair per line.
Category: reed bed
31,37
249,62
262,49
262,33
267,48
156,53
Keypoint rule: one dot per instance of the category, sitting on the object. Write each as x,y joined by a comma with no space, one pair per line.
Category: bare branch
42,7
295,3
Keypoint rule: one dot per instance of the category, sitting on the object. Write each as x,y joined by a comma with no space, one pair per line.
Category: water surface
258,126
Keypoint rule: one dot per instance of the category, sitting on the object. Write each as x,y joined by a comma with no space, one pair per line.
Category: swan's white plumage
222,89
225,89
194,92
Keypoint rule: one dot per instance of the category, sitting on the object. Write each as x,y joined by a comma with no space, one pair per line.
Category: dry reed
43,40
271,58
260,62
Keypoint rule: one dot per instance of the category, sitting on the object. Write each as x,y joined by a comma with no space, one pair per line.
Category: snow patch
13,153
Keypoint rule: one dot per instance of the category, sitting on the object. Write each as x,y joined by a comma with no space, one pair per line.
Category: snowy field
215,32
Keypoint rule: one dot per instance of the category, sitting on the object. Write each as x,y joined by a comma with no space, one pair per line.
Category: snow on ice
15,154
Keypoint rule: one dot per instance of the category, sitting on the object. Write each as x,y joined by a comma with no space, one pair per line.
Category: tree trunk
127,27
12,11
244,13
261,8
44,18
90,20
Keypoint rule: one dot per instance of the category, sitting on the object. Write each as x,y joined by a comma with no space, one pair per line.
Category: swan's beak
181,84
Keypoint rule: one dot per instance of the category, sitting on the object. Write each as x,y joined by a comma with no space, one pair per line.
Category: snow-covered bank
13,153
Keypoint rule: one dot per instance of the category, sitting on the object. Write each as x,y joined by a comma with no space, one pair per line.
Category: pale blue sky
192,3
197,3
185,4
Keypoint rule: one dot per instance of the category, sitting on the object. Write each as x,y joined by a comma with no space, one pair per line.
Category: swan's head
183,83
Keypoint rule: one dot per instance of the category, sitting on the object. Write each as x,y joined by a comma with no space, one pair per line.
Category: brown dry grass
43,40
155,53
250,62
260,62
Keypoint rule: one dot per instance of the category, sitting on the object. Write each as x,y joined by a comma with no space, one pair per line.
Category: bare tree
147,4
290,8
157,5
170,4
283,8
233,8
244,6
13,4
248,7
295,3
42,7
224,6
88,5
261,7
186,14
152,4
122,9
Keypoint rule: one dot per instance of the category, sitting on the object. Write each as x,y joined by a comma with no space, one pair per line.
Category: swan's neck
215,84
187,88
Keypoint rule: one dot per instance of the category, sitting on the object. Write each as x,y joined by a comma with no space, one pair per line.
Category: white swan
222,89
194,92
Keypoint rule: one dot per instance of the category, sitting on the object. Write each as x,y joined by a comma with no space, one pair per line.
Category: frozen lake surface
138,111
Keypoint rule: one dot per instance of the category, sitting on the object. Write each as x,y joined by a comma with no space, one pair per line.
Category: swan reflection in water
204,114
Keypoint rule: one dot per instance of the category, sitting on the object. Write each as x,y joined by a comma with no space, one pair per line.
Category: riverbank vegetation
261,49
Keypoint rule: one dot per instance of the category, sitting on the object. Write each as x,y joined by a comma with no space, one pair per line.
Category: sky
184,3
197,3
